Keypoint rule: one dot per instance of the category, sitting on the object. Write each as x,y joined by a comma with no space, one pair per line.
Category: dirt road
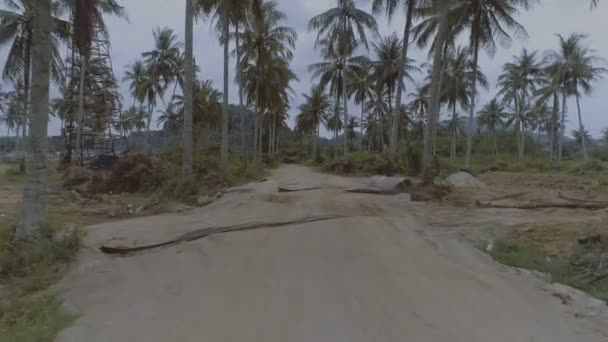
382,274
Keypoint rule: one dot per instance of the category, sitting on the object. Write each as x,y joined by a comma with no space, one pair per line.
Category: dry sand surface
393,270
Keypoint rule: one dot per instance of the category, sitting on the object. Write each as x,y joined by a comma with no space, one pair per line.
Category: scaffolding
102,139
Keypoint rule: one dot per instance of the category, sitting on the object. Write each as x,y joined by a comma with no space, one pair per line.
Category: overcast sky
549,17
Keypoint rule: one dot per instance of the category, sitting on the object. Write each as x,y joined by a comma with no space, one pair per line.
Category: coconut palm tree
316,106
572,68
389,7
136,76
377,109
442,7
188,77
162,62
387,66
152,88
492,116
361,87
517,85
17,30
487,22
582,137
266,47
226,13
345,26
33,222
418,107
456,83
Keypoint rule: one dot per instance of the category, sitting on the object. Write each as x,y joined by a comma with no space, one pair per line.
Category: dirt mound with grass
533,180
464,179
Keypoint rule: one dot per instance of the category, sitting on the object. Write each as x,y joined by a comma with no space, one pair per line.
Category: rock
219,194
465,180
64,235
391,185
581,303
204,200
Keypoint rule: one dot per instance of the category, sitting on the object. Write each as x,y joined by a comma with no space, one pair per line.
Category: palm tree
586,137
17,30
387,67
604,137
419,106
316,106
457,83
517,84
572,68
227,13
377,109
360,88
493,115
487,21
344,26
267,49
333,122
206,105
136,76
33,222
152,87
349,129
443,8
188,78
162,62
389,7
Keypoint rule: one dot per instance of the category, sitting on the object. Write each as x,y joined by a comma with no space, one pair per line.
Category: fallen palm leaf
204,232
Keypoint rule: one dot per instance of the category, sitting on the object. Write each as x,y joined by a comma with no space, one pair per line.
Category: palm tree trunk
241,101
84,59
553,134
33,219
256,130
453,145
345,100
147,148
361,125
187,140
400,84
427,167
495,143
522,145
581,128
562,128
467,161
226,24
27,66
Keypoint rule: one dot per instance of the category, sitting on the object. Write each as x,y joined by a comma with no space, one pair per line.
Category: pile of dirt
558,238
533,180
134,173
429,193
464,179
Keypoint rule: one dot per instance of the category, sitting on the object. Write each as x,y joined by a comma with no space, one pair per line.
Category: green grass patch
561,270
28,310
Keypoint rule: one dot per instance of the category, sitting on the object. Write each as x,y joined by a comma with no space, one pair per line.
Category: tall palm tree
457,83
487,22
152,88
344,25
316,106
136,76
33,222
517,85
361,87
419,106
387,66
493,115
188,78
164,59
572,68
389,7
267,48
17,30
227,13
443,8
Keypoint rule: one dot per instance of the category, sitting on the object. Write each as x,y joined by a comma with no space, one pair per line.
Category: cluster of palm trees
529,88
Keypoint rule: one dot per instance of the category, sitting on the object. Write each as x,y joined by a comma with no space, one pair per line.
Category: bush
134,173
592,167
358,163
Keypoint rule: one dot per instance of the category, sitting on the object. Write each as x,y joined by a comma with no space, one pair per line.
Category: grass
561,270
29,311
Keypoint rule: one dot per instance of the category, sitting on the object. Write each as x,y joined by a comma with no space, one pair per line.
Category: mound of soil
465,180
556,182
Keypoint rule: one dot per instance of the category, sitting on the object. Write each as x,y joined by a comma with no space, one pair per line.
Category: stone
204,200
465,180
